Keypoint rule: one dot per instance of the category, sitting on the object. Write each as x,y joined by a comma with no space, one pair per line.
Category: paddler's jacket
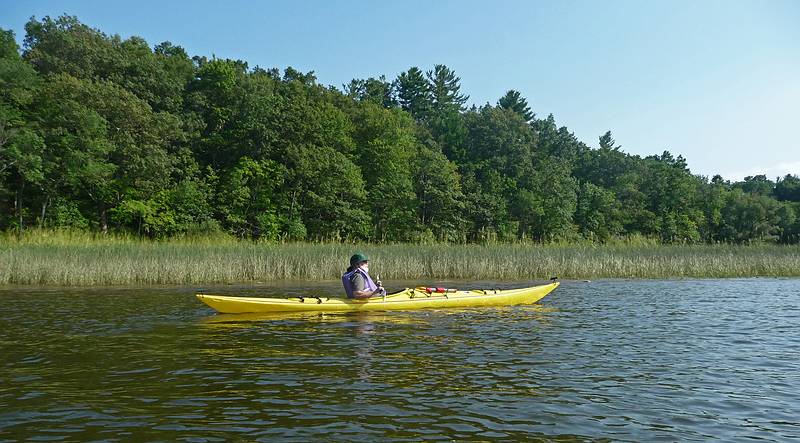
353,281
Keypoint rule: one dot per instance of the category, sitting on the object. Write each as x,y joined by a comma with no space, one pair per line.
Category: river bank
92,260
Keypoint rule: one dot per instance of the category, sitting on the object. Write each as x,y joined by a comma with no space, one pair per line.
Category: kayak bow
409,298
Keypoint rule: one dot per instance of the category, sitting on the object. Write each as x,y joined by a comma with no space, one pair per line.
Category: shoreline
182,263
277,284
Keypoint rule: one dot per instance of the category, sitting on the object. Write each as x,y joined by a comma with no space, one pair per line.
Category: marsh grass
85,259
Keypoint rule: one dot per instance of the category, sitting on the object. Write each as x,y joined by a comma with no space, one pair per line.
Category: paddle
378,282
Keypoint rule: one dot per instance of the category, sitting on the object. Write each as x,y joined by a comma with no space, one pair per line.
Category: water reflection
364,337
634,361
322,317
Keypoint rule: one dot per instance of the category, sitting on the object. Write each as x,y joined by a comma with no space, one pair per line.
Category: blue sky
715,81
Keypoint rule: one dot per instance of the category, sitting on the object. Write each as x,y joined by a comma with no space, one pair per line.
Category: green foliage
607,167
65,45
385,146
377,91
669,189
67,214
330,194
104,134
20,165
8,45
514,101
788,188
751,217
597,213
438,190
556,190
247,200
758,184
557,142
500,141
445,89
19,143
414,93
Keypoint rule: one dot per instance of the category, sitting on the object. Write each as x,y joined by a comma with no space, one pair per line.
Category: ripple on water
622,360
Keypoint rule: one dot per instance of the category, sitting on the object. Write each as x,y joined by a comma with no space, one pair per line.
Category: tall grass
85,259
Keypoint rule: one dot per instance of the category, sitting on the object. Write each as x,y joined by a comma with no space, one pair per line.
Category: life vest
347,281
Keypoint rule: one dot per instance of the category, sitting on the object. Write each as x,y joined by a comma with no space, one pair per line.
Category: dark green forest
108,134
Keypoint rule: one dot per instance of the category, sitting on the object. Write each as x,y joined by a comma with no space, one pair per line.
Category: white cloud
772,171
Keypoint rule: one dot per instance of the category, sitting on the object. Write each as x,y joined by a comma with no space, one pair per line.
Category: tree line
103,133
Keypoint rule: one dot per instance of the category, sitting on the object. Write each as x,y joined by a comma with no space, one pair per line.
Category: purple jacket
347,281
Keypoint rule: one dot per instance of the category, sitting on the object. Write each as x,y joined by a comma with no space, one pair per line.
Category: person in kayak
356,280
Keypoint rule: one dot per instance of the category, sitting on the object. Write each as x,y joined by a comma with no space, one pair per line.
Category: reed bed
94,260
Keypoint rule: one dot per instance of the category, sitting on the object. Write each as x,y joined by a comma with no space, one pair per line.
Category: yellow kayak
410,298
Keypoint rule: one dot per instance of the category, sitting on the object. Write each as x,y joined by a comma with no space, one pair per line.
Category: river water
605,360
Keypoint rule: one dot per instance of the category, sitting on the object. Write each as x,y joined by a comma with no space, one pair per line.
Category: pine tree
414,93
445,89
608,142
514,101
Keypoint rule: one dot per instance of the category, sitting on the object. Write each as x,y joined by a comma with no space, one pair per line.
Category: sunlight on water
622,360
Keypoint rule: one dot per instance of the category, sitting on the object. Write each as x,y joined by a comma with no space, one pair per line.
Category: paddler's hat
358,258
